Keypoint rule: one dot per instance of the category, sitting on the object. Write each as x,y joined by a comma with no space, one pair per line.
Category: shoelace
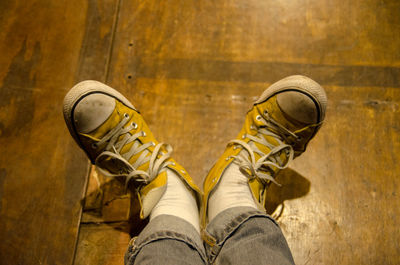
114,147
248,164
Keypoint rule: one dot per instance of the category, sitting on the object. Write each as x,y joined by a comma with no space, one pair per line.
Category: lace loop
157,160
247,162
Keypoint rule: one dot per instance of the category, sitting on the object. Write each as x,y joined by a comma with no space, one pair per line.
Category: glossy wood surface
193,68
42,171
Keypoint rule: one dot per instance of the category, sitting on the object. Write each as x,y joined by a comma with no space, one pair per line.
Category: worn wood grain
41,169
102,244
43,179
98,40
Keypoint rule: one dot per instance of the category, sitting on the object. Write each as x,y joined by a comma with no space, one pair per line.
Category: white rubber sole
81,90
300,83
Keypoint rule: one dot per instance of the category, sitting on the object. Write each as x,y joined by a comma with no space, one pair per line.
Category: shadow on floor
108,202
293,186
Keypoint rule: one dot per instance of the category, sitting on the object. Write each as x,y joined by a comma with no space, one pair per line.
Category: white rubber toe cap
298,106
92,111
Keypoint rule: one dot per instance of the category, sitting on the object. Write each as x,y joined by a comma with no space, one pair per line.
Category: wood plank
102,244
264,72
301,32
97,44
42,171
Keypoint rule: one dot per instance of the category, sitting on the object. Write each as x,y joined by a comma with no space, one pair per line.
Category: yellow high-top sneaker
277,128
118,141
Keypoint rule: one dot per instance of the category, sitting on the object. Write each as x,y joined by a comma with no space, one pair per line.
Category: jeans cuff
165,227
225,224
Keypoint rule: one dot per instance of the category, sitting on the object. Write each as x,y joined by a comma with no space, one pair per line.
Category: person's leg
115,137
236,228
245,235
167,239
172,235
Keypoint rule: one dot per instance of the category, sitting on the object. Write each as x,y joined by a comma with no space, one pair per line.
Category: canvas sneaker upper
276,130
118,141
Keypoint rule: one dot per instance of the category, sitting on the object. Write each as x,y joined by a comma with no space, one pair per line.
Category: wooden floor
193,68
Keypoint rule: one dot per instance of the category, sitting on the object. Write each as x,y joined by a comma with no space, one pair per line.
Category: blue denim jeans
240,235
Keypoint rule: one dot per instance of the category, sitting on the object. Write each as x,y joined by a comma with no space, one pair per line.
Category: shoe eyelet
126,115
243,136
183,171
299,138
144,134
173,163
265,112
258,117
154,144
134,125
235,147
94,145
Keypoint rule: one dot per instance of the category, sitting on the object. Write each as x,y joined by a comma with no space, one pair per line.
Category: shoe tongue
114,165
134,158
279,158
263,148
117,166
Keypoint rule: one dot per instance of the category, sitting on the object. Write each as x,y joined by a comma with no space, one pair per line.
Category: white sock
233,190
177,200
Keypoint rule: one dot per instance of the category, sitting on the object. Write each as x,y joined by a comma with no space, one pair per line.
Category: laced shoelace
157,160
255,169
